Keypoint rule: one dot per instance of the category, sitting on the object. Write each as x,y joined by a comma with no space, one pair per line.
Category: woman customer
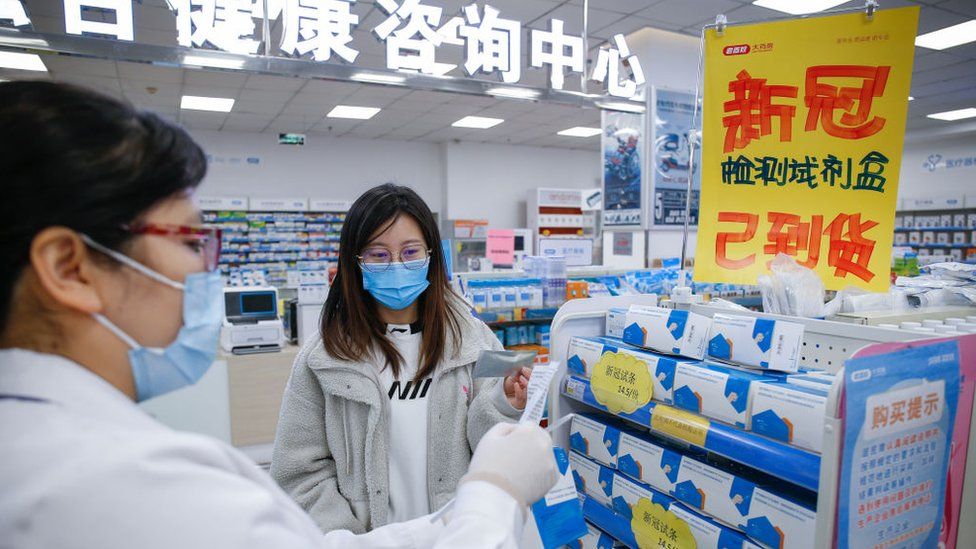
109,297
380,417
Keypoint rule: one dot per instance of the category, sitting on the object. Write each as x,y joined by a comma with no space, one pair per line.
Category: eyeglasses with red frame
204,240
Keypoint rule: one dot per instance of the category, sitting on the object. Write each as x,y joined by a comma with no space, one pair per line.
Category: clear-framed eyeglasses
377,259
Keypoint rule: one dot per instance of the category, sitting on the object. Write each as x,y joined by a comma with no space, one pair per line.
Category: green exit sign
291,139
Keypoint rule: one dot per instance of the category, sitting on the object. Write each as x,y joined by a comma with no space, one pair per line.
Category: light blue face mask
184,361
397,287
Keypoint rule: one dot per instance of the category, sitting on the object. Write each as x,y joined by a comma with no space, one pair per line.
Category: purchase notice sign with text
802,135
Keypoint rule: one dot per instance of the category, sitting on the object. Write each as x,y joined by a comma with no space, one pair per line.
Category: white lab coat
82,466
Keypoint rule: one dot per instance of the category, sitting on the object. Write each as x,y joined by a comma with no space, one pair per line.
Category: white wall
669,60
326,167
918,182
484,181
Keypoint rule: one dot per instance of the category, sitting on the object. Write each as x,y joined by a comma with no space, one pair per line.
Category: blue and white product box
584,353
595,539
776,521
708,534
616,322
713,491
719,392
558,515
594,439
811,381
791,413
761,343
671,331
592,478
648,462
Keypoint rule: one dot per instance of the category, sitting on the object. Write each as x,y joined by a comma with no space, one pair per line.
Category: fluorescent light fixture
378,78
963,33
514,93
355,113
621,106
910,98
198,103
477,122
580,131
954,115
215,62
21,61
798,7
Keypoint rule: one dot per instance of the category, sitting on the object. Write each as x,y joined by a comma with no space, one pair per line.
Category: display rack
276,243
938,229
826,346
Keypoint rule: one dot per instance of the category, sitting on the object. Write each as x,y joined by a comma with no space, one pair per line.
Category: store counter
237,401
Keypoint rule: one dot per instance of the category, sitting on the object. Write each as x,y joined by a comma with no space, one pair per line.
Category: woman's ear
63,267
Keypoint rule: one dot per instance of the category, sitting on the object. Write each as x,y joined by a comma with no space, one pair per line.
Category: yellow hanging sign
656,527
802,133
621,382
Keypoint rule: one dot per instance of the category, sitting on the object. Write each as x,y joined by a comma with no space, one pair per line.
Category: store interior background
466,173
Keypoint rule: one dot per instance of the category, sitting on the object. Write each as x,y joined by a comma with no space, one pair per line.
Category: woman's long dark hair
351,327
75,158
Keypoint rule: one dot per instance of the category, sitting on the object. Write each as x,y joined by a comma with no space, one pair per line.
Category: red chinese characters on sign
849,250
842,111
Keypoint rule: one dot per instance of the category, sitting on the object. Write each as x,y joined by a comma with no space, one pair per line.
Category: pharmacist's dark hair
351,327
74,158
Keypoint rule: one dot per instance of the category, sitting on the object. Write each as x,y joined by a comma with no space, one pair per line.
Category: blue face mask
396,287
184,361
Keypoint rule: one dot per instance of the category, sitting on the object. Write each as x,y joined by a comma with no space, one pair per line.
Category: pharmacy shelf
933,229
936,245
783,461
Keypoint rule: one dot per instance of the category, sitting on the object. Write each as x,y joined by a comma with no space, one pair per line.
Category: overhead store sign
412,32
803,127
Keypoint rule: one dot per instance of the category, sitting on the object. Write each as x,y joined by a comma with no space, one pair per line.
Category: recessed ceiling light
514,93
954,115
798,7
580,131
355,113
215,104
21,61
477,122
216,62
378,78
621,106
963,33
910,98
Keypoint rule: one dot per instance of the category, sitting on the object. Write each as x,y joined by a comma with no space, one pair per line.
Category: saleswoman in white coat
108,297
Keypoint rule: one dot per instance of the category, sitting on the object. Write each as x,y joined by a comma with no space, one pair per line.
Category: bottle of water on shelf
555,281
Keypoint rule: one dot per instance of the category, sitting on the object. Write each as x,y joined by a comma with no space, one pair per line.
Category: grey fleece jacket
332,445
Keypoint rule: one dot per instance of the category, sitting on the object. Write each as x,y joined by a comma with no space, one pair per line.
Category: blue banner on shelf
900,411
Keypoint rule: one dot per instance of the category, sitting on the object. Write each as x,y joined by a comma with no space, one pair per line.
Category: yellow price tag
621,382
656,527
680,424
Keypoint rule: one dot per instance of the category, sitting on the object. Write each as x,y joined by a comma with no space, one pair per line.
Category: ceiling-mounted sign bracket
176,56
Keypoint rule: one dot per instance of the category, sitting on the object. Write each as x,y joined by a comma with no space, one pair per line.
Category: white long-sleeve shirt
83,466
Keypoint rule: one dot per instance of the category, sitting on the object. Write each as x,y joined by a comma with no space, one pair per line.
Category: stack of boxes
740,370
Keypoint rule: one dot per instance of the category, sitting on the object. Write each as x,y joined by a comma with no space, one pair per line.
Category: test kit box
595,539
791,413
616,322
671,331
708,534
775,520
585,352
756,342
647,460
595,439
719,392
592,478
713,491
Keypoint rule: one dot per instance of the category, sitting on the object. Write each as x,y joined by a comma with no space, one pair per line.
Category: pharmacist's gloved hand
516,458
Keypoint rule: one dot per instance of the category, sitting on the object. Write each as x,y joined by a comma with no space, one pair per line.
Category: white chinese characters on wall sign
412,32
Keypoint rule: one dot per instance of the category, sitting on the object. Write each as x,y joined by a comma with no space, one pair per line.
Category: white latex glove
516,458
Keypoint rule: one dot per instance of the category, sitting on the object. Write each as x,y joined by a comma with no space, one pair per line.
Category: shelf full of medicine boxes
939,230
276,243
794,470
